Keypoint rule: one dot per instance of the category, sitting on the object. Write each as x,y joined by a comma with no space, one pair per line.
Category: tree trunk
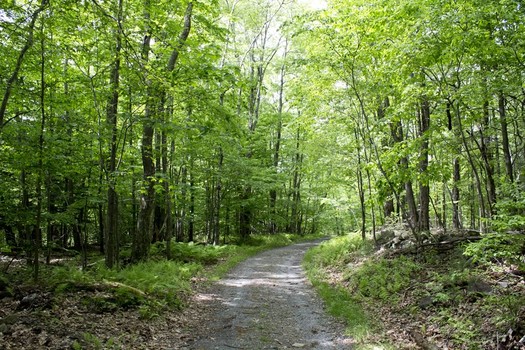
388,204
360,188
142,239
277,148
37,235
487,156
191,223
111,237
505,139
295,220
217,206
456,217
424,188
471,162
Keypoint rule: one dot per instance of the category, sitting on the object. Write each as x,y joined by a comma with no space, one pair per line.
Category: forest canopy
124,123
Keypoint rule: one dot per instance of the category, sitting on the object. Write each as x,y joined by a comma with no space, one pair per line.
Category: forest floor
263,303
428,301
429,298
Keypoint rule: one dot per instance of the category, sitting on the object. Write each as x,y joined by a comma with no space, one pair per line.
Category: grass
158,284
464,303
336,254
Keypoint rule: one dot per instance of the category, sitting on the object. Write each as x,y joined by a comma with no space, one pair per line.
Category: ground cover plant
431,300
101,308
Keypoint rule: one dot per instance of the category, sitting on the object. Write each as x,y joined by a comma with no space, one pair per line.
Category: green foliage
4,247
510,209
462,329
383,279
203,254
339,250
340,302
161,282
154,285
508,310
498,247
92,342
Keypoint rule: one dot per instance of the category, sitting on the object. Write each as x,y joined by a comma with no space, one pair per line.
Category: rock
426,302
298,345
35,301
503,284
479,287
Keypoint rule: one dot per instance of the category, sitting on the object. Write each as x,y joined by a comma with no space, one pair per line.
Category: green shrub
338,251
498,246
383,279
339,301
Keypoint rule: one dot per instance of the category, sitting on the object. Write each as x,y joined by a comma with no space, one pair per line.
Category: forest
132,128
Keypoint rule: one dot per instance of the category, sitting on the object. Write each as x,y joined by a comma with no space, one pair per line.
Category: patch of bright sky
315,4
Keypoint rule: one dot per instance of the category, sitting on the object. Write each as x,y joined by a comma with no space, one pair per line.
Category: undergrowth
335,255
447,296
158,284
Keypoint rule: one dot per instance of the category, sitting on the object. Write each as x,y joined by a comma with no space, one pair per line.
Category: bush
498,247
383,279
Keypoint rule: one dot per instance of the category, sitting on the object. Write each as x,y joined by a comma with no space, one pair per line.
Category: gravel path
267,303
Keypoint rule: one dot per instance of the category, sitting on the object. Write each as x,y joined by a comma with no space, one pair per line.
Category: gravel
266,302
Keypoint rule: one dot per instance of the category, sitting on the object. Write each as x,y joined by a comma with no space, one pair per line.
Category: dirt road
267,303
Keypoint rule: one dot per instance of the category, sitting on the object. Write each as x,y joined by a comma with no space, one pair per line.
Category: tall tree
142,239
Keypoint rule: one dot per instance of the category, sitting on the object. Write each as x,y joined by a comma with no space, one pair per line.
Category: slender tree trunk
182,203
424,188
217,206
505,138
456,217
24,229
487,156
471,162
37,238
295,220
111,237
160,202
411,212
360,188
388,205
277,148
142,239
166,169
191,223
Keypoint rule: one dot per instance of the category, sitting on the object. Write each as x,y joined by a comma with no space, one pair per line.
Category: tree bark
218,197
471,162
505,138
360,187
487,156
37,232
277,147
142,239
111,237
424,188
456,177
